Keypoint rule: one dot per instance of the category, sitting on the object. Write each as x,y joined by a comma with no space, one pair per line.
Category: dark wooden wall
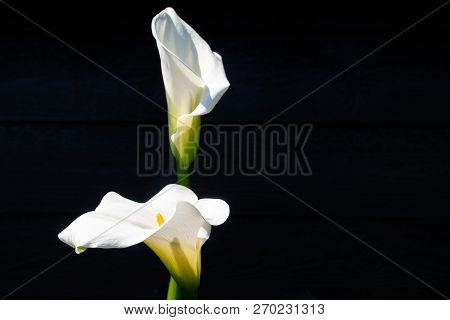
379,148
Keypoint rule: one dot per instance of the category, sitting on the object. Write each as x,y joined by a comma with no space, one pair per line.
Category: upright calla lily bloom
194,79
174,224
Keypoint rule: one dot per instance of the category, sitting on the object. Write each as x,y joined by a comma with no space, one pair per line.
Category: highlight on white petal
97,230
215,211
114,206
164,202
179,241
204,232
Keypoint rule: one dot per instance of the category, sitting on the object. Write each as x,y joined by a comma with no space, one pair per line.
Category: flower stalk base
174,292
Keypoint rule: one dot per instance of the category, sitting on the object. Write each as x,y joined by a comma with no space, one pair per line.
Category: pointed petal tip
62,237
111,195
169,10
80,250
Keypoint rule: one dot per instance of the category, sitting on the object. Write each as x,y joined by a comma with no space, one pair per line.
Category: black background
378,151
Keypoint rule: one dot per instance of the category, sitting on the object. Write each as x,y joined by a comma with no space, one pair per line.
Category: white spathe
194,79
174,224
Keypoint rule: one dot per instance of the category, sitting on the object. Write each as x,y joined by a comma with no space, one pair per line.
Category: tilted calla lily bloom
174,224
194,79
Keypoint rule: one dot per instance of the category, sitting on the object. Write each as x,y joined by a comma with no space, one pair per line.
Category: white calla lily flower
174,224
194,79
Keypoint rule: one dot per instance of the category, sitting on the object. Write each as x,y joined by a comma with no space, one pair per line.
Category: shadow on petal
184,265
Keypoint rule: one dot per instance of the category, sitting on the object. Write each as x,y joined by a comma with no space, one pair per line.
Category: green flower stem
175,292
182,176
